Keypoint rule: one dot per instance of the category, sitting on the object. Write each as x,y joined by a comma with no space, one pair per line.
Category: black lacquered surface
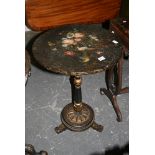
76,49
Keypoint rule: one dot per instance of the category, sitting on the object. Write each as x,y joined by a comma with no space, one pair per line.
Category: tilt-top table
77,50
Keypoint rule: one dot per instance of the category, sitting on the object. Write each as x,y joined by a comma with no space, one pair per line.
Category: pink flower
69,53
68,41
77,39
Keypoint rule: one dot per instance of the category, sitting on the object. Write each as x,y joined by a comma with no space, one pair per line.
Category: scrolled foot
60,128
97,127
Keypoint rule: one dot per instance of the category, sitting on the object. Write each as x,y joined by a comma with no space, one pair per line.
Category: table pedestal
113,78
77,116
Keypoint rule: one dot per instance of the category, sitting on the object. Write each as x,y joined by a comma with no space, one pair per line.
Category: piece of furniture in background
121,25
113,78
45,15
120,29
124,10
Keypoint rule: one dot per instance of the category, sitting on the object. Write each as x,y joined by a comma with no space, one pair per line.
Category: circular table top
77,49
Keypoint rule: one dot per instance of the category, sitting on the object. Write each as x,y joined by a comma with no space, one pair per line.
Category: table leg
29,150
113,78
113,100
60,128
118,74
77,116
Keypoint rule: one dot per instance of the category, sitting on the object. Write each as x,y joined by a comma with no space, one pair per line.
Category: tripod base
77,121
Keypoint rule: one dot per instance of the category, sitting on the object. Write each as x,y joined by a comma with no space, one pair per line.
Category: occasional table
113,76
77,50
